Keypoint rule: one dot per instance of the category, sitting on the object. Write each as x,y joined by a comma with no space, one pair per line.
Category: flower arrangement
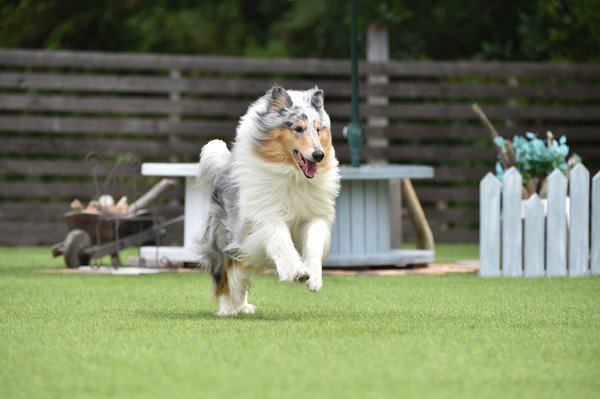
534,157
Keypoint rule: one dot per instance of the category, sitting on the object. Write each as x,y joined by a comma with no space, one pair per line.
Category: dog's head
295,129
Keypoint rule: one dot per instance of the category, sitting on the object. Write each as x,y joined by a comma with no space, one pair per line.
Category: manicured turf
362,336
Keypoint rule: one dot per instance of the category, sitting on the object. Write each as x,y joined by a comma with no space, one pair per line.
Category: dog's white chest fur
270,193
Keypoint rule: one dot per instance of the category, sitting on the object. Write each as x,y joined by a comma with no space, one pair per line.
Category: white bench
361,235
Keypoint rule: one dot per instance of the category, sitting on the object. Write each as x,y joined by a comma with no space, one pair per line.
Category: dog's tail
213,158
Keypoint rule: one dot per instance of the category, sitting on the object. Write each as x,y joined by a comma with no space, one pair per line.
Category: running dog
272,197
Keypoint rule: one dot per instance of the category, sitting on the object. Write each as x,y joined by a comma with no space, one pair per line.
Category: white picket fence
543,239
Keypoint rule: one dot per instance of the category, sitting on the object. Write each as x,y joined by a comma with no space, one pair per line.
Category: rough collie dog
271,198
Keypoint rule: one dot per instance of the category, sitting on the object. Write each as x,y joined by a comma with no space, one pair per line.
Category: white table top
363,172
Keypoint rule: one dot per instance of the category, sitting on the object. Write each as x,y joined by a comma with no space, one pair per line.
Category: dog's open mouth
309,168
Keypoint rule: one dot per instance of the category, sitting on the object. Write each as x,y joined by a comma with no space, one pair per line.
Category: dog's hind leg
239,286
232,290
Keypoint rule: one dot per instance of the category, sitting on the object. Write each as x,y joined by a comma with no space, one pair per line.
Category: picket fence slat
534,237
512,234
595,266
556,230
489,228
579,192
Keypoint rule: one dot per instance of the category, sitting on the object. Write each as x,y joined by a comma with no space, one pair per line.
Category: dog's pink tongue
311,168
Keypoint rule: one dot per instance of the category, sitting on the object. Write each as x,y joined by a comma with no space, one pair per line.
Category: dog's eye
318,130
298,129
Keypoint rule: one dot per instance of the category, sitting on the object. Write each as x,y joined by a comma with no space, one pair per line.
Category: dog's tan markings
221,287
325,140
306,144
301,122
278,146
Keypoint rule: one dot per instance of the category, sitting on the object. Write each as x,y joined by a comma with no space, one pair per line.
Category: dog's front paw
299,274
315,282
247,308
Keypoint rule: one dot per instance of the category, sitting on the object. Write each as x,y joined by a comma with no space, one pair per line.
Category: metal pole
353,130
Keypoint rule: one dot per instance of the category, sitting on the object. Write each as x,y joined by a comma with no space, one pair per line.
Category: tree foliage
419,29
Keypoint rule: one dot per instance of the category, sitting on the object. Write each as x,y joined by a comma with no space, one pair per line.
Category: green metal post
354,130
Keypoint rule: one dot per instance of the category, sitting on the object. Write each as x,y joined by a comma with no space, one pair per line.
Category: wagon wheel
74,244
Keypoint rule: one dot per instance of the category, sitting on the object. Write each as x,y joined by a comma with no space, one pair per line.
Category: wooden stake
423,232
504,159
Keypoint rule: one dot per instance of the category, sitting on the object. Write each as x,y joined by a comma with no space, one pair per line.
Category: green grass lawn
362,336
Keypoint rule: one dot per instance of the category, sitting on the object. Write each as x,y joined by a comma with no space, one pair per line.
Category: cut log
152,195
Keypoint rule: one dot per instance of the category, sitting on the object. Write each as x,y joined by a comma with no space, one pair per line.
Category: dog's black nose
318,155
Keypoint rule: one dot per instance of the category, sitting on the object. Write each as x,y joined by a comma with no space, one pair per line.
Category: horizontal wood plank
464,111
134,126
120,105
154,62
69,190
32,233
252,87
226,128
217,86
302,66
485,68
235,108
70,146
435,90
447,194
463,132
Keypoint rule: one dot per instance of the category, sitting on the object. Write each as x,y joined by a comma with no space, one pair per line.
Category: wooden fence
536,237
56,106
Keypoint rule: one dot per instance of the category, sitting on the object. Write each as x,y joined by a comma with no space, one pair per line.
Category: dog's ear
317,98
278,99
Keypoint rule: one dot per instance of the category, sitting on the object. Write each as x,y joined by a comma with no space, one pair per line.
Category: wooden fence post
174,97
534,237
556,226
595,267
378,51
579,224
489,227
512,234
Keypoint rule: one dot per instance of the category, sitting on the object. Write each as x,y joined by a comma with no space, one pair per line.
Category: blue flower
499,141
533,157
